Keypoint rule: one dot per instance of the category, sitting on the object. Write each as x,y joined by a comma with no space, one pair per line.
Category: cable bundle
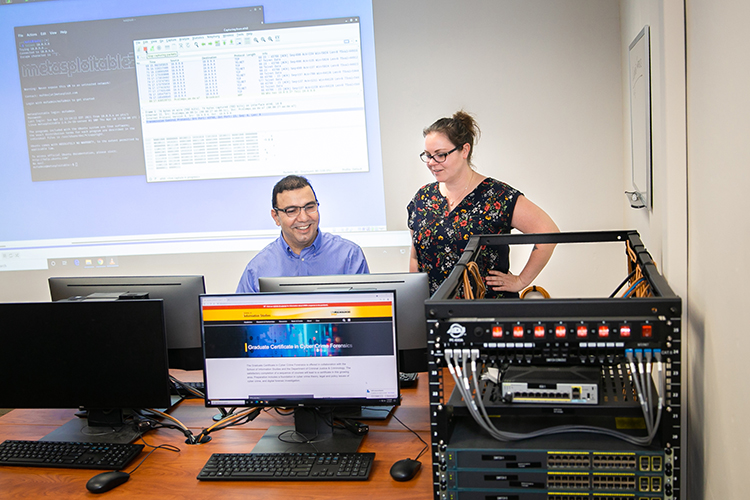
462,364
472,273
639,284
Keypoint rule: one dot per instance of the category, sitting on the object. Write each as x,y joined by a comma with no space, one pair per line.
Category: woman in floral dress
461,203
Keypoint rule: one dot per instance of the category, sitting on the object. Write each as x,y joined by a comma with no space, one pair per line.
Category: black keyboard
68,455
182,390
287,467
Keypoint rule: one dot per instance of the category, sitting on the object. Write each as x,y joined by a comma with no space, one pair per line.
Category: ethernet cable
479,413
631,290
634,373
632,273
649,376
640,384
472,407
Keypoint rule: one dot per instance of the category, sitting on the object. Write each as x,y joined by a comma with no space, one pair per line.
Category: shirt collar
311,249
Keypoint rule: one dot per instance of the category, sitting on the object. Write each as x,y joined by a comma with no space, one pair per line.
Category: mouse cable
426,446
166,446
293,436
324,416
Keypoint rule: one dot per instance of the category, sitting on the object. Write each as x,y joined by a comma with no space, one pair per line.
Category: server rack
545,432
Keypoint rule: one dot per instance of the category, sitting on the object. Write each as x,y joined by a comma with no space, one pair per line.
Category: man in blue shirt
302,249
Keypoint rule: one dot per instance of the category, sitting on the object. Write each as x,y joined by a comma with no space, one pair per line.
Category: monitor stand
364,412
312,432
99,427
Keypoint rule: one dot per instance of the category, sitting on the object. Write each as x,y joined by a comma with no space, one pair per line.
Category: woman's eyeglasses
437,157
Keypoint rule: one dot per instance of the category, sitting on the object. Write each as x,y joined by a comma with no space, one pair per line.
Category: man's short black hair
290,183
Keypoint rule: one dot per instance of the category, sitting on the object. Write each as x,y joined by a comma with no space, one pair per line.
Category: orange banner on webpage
298,311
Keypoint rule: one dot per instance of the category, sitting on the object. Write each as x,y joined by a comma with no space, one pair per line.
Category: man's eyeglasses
292,212
437,157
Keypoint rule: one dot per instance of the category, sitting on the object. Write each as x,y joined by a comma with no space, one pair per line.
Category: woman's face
455,162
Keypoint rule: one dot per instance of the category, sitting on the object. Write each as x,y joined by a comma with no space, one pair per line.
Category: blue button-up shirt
329,254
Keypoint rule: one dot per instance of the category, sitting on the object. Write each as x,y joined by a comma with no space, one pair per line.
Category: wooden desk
169,475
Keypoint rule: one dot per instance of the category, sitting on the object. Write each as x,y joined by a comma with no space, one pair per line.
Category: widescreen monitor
105,357
180,295
412,291
311,352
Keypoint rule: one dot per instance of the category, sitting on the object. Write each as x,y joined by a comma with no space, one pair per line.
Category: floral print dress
440,235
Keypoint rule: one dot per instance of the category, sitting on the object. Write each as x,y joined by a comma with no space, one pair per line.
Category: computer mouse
405,469
106,481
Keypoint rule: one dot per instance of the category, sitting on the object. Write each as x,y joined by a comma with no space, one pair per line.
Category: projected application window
270,102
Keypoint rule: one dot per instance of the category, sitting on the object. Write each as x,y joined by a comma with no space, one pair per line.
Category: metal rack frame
652,322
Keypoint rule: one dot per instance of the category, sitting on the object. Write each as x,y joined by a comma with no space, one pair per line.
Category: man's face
299,231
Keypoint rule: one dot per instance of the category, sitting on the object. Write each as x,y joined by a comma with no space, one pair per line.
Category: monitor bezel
75,353
413,290
313,402
179,292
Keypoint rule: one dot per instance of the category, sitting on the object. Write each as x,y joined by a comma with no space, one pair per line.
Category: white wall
543,78
719,178
704,208
664,227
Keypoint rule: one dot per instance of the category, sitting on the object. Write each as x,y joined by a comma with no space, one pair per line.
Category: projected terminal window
269,102
78,82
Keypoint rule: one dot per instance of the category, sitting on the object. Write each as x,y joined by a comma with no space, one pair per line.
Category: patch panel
594,329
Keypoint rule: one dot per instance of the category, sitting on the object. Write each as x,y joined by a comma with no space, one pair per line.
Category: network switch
576,385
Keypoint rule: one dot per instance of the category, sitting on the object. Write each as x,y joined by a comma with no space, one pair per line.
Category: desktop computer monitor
180,295
310,352
105,357
412,291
